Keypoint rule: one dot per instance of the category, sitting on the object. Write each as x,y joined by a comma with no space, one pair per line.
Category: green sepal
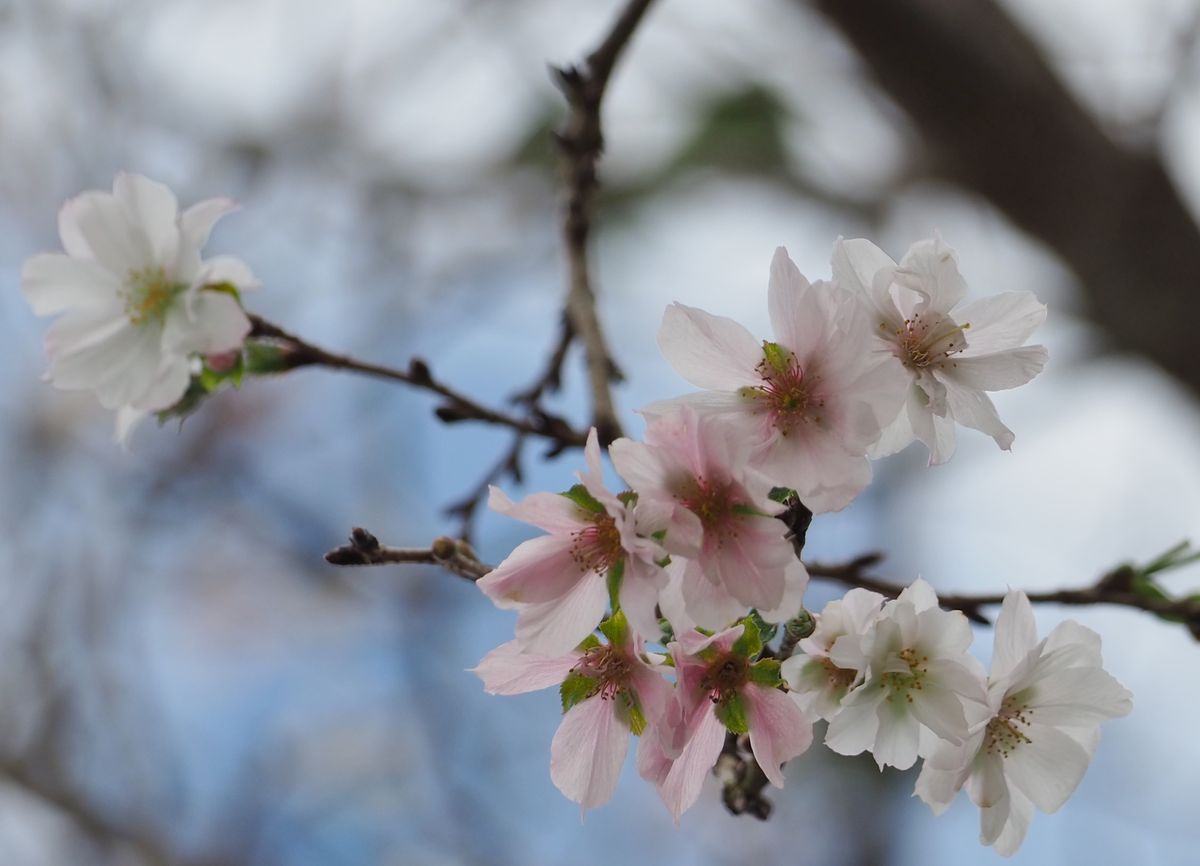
782,495
658,535
580,496
668,631
765,672
616,629
731,713
628,498
766,630
588,643
749,644
212,379
742,510
187,405
615,573
778,358
575,689
225,288
630,713
263,359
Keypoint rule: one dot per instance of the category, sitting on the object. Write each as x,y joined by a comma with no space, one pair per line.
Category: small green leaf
766,630
588,642
615,573
742,510
575,689
616,629
263,358
731,712
629,712
225,288
782,495
629,499
580,496
750,644
765,672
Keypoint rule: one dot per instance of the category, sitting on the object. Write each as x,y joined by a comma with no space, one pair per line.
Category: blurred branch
364,548
457,407
580,142
509,464
998,122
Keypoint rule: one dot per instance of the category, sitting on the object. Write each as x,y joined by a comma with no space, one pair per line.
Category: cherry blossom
559,583
818,684
953,355
811,403
1045,703
919,677
719,687
608,690
718,518
138,302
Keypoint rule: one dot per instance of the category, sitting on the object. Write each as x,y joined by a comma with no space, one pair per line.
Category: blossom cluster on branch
651,608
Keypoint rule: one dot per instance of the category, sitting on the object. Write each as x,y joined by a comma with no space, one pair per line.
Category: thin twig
581,141
457,407
1115,587
456,556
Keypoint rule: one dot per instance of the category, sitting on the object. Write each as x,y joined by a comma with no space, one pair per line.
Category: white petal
152,211
53,282
168,387
216,324
1016,634
196,223
896,742
1001,321
228,269
862,267
997,371
973,408
709,351
1012,834
95,225
587,753
802,316
855,728
1048,768
930,267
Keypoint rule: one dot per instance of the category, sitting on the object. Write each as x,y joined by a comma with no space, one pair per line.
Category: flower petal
709,351
779,729
997,371
683,781
559,626
587,753
152,210
1000,322
1016,634
1048,767
509,670
53,282
216,323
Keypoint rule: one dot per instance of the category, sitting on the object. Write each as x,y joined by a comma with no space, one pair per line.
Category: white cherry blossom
134,295
1045,702
952,354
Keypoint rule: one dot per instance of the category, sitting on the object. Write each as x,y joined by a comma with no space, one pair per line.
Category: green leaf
263,358
575,689
765,672
616,629
630,713
580,496
615,573
766,630
750,644
731,712
588,642
782,495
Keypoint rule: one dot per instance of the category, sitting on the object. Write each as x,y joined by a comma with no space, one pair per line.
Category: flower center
787,393
1004,733
148,293
927,340
901,684
725,675
597,547
608,667
840,679
710,501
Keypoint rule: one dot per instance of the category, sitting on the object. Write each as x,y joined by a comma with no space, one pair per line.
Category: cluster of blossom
694,560
693,557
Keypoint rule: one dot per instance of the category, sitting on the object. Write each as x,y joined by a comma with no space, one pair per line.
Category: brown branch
1117,587
580,143
456,556
296,352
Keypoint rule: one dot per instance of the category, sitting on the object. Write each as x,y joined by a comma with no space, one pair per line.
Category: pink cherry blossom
612,689
719,688
718,517
558,583
951,354
811,403
1045,702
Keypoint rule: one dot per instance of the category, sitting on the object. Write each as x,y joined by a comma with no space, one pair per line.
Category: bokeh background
184,681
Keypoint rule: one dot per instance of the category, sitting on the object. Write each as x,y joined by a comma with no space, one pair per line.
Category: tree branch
457,407
457,557
580,143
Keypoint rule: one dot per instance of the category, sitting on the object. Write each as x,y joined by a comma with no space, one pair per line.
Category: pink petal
779,729
587,753
796,318
709,351
539,570
559,626
508,670
550,512
681,786
862,267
